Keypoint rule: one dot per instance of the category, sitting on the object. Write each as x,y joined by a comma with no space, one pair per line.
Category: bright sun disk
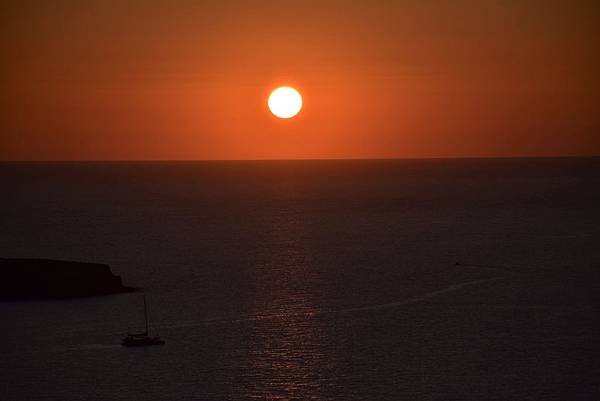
285,102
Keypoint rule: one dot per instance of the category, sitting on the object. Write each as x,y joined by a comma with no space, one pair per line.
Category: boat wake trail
317,312
87,347
419,298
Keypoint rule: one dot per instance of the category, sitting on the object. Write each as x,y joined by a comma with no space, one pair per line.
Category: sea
442,279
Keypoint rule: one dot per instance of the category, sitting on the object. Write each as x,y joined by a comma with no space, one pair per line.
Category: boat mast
146,313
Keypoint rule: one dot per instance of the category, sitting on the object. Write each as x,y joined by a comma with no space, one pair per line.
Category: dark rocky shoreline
56,279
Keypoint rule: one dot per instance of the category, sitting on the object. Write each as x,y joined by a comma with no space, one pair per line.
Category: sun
285,102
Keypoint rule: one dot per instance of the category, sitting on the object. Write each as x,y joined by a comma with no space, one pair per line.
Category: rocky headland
58,279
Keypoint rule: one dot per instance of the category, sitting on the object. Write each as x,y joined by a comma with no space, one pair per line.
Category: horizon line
296,159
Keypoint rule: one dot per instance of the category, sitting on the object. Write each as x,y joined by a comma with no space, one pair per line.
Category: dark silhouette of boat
142,339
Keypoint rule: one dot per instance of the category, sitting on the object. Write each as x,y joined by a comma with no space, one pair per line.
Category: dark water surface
313,280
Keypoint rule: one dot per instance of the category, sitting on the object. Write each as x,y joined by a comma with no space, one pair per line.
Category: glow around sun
285,102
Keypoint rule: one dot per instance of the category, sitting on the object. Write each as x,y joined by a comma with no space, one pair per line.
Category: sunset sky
158,79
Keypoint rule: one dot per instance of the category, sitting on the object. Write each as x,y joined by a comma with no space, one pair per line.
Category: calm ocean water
312,280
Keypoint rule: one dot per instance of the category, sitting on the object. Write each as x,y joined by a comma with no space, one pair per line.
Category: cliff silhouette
58,279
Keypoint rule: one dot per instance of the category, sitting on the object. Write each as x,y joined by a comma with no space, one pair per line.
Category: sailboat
142,339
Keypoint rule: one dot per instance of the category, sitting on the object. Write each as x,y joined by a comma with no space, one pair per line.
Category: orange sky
160,79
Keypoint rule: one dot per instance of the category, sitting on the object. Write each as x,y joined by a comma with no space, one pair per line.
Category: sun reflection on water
289,351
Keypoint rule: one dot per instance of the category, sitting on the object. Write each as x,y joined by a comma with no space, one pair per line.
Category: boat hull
141,341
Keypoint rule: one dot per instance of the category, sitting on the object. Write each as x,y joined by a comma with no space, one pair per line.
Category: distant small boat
142,339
